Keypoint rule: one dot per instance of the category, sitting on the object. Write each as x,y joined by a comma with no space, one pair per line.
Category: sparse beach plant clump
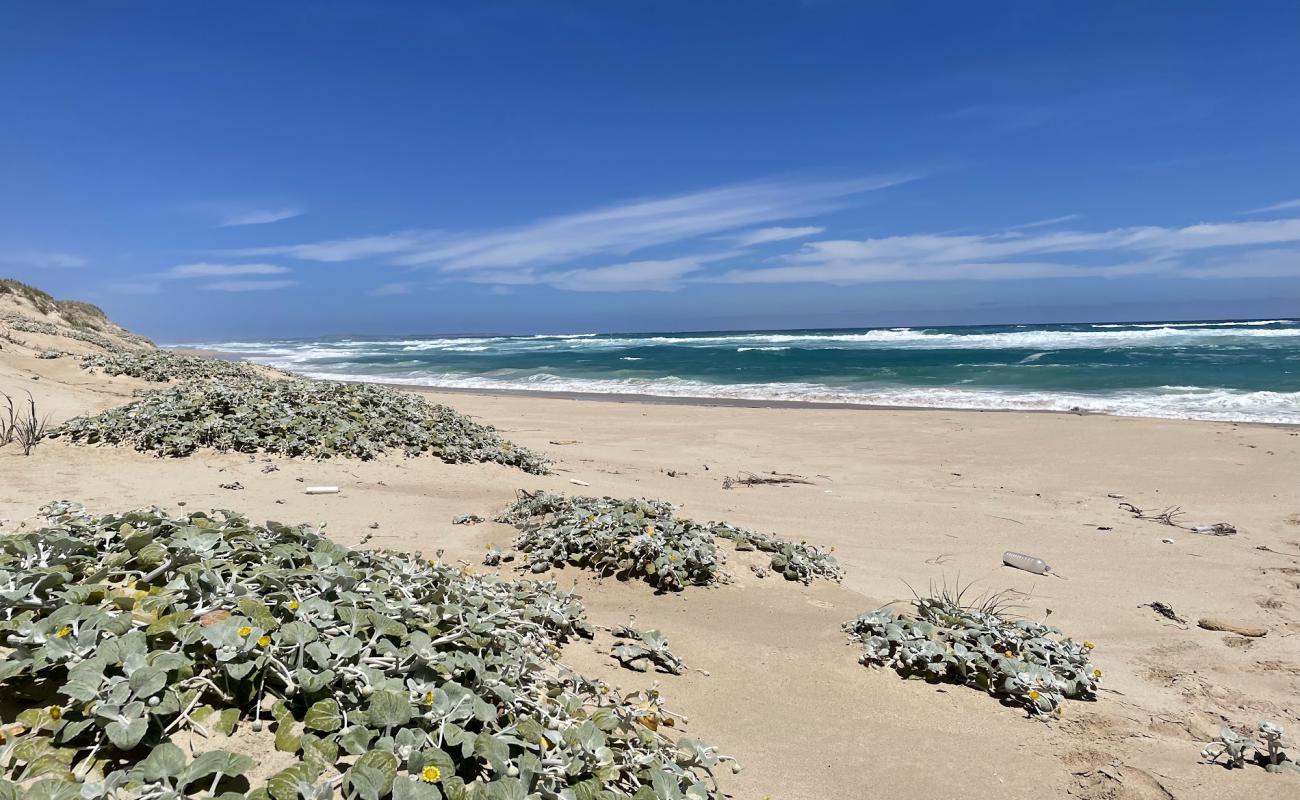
380,674
644,539
796,561
1023,662
161,366
629,539
19,322
642,649
1236,749
296,418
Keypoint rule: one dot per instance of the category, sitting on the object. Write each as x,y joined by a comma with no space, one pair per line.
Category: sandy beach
908,499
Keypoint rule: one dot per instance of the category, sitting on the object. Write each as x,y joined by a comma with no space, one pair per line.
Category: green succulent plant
383,674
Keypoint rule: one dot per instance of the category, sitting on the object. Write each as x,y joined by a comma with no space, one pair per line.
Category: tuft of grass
22,427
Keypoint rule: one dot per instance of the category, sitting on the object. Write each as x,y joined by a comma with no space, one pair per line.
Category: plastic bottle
322,490
1027,563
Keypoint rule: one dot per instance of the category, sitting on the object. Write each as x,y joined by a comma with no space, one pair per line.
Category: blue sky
233,170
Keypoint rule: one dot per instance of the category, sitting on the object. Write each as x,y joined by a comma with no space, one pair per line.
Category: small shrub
1026,663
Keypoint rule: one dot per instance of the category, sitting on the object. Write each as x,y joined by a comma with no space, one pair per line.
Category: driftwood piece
1215,624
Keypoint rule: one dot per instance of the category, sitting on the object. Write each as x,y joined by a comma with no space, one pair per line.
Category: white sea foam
1097,336
1169,402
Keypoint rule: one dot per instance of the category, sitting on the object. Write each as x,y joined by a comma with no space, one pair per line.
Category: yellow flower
1088,644
604,690
264,641
245,631
293,605
1033,694
64,632
1096,673
428,698
55,711
546,743
672,557
1009,654
487,546
431,774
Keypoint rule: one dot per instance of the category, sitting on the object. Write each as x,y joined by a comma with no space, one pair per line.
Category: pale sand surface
906,497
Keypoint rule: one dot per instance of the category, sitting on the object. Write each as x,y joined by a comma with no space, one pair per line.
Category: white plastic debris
1027,563
577,482
321,490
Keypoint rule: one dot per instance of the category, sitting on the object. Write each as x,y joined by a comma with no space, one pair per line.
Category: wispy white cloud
392,289
340,250
258,216
1044,223
664,275
629,227
1288,205
1014,255
248,286
615,230
209,270
40,259
774,234
1273,262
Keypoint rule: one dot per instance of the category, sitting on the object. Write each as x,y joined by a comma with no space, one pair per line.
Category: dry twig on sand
1172,516
768,479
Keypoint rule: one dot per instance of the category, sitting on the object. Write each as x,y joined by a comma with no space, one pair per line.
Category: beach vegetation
980,645
26,324
161,366
20,426
644,539
1265,749
640,650
313,419
141,648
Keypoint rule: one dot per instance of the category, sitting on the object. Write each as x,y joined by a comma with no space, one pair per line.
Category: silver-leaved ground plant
294,417
634,538
1024,662
382,673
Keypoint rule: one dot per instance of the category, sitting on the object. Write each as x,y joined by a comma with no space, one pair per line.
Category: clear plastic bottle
1027,563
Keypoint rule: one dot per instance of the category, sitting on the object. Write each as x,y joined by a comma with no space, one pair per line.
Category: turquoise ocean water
1246,370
